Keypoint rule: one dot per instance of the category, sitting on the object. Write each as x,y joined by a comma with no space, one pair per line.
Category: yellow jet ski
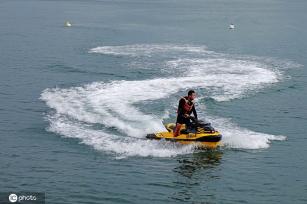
200,133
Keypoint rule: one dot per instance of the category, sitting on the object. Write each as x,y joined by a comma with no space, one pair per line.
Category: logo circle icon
12,198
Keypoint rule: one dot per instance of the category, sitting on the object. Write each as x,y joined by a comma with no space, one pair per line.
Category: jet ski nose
151,136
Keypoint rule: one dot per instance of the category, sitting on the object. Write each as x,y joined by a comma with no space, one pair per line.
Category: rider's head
191,95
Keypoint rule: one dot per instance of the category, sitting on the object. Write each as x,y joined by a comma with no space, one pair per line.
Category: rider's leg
177,129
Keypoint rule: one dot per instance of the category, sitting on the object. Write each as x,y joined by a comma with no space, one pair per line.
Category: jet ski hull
203,139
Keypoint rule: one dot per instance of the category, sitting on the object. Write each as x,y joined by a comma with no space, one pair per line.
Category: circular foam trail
113,105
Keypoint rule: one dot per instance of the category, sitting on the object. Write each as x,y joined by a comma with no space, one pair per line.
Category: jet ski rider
185,108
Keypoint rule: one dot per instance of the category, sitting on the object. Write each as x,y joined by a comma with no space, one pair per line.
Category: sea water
77,102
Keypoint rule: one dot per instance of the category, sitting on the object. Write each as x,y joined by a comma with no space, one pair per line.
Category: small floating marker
231,26
67,24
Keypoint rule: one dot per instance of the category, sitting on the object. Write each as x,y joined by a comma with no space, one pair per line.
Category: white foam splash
242,138
113,104
148,49
118,145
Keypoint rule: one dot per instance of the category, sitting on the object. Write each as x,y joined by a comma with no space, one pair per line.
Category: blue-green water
77,102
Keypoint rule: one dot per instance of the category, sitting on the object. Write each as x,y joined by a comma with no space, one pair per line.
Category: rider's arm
180,107
194,112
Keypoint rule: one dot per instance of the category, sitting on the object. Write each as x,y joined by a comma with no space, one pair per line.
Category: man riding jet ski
186,131
185,108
